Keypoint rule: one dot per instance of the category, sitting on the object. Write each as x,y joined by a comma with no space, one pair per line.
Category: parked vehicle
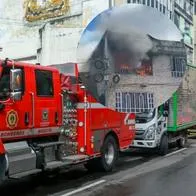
169,122
49,120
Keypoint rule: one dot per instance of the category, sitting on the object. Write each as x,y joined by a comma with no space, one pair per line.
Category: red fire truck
49,120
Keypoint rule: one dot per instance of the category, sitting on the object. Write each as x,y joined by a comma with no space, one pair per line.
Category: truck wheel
182,141
163,148
109,154
2,167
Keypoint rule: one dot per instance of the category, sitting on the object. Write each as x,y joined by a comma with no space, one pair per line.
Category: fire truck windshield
5,84
68,68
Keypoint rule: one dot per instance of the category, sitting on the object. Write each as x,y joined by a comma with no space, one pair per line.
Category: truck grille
139,134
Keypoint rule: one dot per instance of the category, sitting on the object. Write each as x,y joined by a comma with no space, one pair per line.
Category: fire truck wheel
109,154
3,167
163,148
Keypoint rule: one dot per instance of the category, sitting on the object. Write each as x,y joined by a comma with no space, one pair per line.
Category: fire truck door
46,99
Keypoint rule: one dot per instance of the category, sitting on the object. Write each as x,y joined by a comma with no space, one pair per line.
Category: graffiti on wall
36,10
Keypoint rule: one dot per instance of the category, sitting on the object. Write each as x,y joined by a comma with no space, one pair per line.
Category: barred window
134,102
178,66
157,4
152,3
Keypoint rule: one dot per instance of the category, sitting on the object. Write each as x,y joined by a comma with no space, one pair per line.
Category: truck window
160,111
5,83
67,69
44,84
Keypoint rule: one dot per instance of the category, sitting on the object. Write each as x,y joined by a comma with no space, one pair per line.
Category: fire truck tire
3,167
163,147
108,158
109,153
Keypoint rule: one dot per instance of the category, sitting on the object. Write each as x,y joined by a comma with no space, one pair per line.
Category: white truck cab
151,126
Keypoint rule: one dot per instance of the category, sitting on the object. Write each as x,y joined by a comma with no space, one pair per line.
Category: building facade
194,34
17,40
20,22
180,12
28,28
48,32
183,18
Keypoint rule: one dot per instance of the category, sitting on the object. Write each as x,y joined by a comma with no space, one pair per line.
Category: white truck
169,123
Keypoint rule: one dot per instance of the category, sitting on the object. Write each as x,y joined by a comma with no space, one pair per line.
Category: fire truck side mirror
16,96
16,84
166,110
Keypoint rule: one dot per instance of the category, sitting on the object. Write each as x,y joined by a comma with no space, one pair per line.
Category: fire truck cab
49,120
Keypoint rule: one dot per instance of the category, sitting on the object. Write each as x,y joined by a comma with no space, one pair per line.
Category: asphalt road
76,177
136,174
176,180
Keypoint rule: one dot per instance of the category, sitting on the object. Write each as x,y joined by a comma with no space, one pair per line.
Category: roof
35,66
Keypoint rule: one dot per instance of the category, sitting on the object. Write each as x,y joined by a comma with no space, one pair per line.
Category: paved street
175,180
41,185
137,173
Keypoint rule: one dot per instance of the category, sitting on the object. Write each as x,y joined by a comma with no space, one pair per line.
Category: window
164,8
161,7
195,8
148,2
157,4
5,83
134,102
184,5
160,111
170,15
44,83
128,1
144,2
177,19
181,3
178,67
191,9
188,7
152,3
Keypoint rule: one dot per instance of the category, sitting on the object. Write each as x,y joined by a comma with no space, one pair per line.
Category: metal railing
134,102
178,66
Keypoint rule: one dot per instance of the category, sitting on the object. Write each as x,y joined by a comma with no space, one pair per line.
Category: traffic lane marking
127,160
175,152
102,181
81,189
